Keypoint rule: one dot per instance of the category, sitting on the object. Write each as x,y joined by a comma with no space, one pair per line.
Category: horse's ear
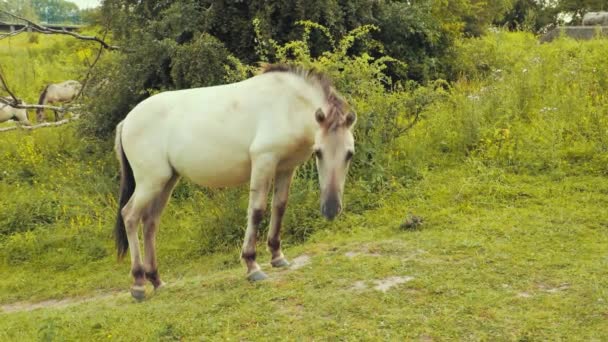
351,118
320,116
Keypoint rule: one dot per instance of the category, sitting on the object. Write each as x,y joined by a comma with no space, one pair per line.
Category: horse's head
334,148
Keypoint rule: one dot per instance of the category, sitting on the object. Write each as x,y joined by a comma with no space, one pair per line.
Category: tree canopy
191,43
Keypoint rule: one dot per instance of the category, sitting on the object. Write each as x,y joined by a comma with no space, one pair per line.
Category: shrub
518,106
33,39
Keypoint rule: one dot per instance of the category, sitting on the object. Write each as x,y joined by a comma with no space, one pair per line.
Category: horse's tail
42,100
127,187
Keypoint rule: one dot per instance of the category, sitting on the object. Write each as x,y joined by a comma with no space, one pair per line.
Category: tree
188,43
577,8
537,15
22,8
56,11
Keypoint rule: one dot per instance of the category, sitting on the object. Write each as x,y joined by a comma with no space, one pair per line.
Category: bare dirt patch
56,303
546,289
359,285
299,262
383,285
390,282
352,254
554,289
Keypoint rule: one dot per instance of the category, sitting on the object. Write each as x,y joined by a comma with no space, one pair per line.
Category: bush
514,107
199,64
21,248
154,66
33,39
517,106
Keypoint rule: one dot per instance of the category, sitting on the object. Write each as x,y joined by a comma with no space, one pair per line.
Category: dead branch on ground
41,125
20,105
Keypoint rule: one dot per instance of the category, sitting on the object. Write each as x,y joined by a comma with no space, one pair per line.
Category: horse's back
595,18
193,131
218,109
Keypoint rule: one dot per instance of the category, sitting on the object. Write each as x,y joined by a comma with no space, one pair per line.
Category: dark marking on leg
256,217
248,256
274,243
281,210
154,278
138,275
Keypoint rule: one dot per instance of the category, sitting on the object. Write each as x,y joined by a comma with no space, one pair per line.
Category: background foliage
499,142
426,95
453,117
48,11
511,108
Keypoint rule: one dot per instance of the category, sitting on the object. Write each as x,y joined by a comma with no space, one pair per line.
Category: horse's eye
349,155
319,154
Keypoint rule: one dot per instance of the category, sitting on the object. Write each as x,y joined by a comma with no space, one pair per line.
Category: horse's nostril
331,209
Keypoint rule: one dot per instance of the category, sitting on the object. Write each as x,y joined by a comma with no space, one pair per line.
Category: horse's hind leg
132,213
279,203
151,221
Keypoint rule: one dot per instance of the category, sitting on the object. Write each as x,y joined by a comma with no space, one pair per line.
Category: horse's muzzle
331,207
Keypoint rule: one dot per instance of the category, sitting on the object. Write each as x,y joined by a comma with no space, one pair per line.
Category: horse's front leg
262,171
282,183
58,115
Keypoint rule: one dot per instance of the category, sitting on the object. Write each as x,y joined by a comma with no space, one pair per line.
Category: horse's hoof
280,262
138,292
257,275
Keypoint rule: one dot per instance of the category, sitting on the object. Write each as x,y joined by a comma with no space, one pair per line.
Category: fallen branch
41,125
14,33
34,106
45,30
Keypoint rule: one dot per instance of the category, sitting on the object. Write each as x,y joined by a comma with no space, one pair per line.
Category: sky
86,3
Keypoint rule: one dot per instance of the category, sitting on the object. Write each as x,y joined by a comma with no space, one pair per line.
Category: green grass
507,168
31,61
498,257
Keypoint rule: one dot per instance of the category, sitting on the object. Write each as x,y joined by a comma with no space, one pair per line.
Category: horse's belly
215,171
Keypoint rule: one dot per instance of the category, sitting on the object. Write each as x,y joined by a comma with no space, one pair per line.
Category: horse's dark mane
337,115
309,74
42,96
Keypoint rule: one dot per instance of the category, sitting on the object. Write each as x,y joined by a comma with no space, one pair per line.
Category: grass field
507,168
30,62
498,257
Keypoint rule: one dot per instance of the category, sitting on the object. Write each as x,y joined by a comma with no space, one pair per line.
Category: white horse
58,93
8,112
255,130
595,18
